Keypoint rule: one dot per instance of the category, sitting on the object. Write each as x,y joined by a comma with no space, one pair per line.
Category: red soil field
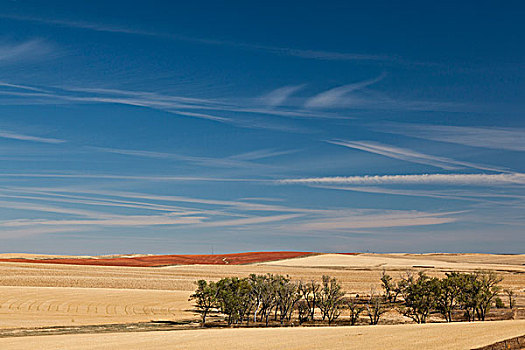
163,260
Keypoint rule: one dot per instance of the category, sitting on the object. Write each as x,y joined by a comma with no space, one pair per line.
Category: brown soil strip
517,343
103,328
167,260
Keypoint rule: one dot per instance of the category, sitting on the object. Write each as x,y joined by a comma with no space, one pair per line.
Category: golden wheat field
48,295
400,337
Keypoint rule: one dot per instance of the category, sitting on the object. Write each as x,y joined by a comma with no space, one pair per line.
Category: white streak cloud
250,221
410,156
128,220
365,219
512,139
303,53
334,97
24,51
280,95
22,137
422,179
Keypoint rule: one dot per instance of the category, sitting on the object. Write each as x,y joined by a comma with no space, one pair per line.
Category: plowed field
166,260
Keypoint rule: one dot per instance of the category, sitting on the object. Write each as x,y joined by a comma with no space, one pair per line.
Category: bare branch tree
375,307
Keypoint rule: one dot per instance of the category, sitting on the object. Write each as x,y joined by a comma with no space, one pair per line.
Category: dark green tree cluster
474,293
265,298
276,299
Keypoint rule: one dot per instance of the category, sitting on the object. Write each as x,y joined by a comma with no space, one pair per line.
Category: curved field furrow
32,305
74,306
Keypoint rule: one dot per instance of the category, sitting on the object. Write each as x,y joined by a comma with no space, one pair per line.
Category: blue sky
170,127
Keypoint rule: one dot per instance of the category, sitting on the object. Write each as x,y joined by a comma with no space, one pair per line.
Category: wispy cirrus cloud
150,202
512,139
196,212
280,95
286,51
376,219
499,198
21,87
159,178
36,230
250,220
242,214
46,208
429,179
359,97
253,114
180,105
22,137
238,205
123,220
32,195
236,161
246,112
331,55
24,51
411,156
262,154
335,97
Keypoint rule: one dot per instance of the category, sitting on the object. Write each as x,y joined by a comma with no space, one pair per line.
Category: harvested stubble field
400,337
41,295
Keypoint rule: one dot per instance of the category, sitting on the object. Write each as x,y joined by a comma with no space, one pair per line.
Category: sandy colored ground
455,336
408,261
505,259
43,295
37,295
32,256
52,306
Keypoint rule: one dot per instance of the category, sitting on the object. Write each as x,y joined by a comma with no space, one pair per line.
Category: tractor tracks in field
77,307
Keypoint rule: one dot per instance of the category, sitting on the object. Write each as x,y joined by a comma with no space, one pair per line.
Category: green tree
258,284
478,290
234,298
486,290
303,311
420,295
355,310
310,294
268,297
205,298
448,295
331,299
391,288
286,297
467,297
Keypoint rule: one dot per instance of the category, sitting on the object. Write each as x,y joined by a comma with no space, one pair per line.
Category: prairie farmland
131,304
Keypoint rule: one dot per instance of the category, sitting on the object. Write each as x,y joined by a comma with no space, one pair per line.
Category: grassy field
42,295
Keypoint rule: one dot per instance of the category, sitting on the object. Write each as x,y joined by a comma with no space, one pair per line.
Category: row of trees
276,298
474,293
263,298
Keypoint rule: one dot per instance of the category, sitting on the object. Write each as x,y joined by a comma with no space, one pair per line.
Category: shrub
499,303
